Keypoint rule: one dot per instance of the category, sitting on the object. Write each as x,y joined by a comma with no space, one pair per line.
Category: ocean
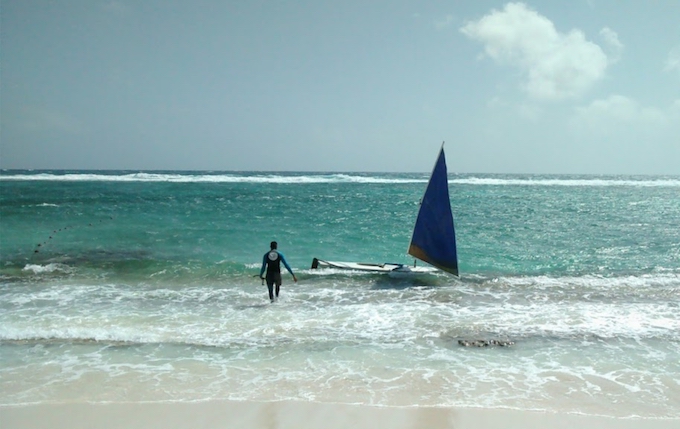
120,286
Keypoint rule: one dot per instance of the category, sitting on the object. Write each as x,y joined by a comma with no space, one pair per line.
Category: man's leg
278,284
270,286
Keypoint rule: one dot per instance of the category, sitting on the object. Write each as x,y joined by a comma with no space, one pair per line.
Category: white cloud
673,60
620,115
555,65
444,23
612,40
674,115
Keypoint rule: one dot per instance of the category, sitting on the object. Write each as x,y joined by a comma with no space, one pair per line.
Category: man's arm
264,264
285,264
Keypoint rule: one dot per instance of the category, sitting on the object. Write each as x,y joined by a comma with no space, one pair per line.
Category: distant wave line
599,182
341,178
209,178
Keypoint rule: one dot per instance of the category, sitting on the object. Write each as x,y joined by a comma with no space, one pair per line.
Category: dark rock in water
485,343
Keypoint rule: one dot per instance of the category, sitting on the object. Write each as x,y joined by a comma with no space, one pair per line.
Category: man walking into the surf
272,263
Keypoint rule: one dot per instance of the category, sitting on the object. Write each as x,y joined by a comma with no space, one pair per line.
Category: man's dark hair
273,245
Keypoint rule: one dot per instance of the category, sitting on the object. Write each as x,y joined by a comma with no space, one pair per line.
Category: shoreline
298,415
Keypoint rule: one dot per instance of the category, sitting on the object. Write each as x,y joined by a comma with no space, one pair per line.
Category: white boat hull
386,268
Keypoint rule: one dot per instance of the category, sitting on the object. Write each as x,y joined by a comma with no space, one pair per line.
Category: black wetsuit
272,262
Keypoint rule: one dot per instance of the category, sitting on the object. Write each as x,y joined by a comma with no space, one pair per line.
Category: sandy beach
296,415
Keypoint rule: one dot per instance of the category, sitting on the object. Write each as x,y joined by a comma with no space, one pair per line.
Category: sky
535,87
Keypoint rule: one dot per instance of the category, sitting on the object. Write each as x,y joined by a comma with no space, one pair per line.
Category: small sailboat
434,236
433,240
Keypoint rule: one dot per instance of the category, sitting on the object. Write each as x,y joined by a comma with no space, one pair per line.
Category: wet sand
297,415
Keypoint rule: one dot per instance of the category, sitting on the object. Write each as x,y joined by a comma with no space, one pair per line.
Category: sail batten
434,237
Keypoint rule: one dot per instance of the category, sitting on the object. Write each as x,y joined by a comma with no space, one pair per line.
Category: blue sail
434,237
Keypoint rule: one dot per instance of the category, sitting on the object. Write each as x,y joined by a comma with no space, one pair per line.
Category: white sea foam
339,338
305,178
191,314
48,268
555,181
596,282
211,178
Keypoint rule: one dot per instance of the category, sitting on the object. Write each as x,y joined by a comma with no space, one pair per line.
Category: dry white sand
296,415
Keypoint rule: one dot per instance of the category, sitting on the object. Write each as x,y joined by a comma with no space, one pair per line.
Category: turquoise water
140,286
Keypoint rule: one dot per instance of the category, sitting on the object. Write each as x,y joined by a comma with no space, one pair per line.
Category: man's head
273,245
